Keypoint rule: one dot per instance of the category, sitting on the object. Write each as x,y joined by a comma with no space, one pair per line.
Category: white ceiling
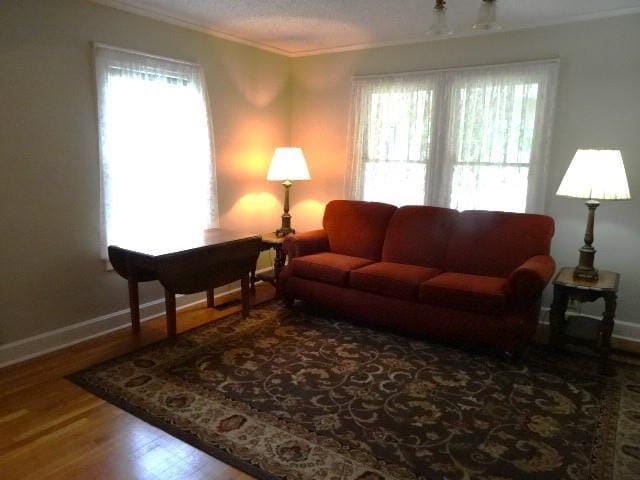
304,27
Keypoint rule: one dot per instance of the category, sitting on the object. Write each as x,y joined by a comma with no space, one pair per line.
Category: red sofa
473,276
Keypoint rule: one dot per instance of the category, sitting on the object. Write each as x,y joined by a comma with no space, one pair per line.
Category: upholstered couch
473,276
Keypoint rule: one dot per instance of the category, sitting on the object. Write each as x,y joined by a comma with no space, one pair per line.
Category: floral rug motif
292,394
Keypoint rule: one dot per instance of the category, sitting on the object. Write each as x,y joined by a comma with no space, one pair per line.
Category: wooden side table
215,258
270,241
581,330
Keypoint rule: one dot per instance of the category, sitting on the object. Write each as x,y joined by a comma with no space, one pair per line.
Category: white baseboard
625,331
47,342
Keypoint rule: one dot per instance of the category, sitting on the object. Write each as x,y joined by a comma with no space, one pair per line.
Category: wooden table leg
134,305
245,291
210,298
557,321
252,278
170,307
610,302
278,264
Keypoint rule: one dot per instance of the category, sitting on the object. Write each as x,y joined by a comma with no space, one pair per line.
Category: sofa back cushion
496,243
357,228
418,235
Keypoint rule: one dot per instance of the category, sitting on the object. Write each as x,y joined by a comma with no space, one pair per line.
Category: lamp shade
595,174
288,163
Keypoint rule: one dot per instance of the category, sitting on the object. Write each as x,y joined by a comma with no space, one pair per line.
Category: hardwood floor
52,429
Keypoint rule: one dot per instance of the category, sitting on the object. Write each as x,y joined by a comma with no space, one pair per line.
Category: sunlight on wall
249,148
307,215
261,212
255,162
316,75
247,200
259,90
253,213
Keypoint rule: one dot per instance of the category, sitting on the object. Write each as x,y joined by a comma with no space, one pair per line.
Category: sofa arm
525,284
306,243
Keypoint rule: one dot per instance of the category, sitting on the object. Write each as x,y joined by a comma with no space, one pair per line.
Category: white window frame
441,159
198,161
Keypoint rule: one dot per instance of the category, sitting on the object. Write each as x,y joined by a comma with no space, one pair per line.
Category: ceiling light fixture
439,26
487,16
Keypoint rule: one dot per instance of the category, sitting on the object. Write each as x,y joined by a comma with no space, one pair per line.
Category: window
472,138
156,150
396,155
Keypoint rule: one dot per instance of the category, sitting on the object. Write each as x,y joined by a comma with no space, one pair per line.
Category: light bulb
439,26
487,16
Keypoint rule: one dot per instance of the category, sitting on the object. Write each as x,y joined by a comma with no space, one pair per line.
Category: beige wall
598,106
49,198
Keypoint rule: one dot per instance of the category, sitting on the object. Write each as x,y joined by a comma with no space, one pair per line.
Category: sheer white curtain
391,144
497,142
488,130
156,150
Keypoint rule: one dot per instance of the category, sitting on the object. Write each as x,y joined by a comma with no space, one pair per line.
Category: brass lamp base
585,274
285,229
585,269
281,232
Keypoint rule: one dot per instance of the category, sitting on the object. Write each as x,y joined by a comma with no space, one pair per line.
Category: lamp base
285,228
582,273
585,269
283,232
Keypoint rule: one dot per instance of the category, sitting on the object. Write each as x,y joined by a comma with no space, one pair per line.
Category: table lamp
594,175
287,164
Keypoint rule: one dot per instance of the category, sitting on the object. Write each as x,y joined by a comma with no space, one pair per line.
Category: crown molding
427,39
168,18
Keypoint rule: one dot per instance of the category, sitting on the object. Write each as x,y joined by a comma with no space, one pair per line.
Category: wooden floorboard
53,429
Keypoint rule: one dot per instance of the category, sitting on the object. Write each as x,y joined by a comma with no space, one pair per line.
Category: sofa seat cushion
476,293
391,279
327,267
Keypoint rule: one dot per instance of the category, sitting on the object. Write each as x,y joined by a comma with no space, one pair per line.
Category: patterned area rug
293,394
